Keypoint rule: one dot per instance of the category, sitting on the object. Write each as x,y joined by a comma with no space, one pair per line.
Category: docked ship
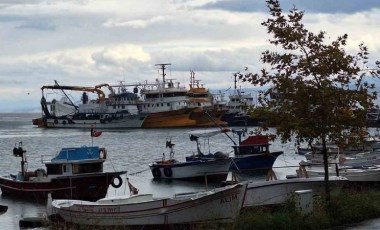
166,103
161,104
118,110
205,114
237,106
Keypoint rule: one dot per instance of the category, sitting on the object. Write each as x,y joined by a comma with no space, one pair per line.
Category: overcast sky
89,42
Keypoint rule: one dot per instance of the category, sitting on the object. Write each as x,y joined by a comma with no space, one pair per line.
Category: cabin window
88,168
53,169
168,104
75,169
123,106
162,104
64,168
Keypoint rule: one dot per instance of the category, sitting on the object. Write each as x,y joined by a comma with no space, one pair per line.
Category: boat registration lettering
87,209
109,210
228,199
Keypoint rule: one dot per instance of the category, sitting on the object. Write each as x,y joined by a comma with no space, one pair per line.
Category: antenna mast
163,67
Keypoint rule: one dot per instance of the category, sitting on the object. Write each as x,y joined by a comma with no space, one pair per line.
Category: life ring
156,173
118,184
102,153
168,172
64,122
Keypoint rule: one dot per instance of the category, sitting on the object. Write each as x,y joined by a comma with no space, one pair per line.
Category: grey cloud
210,61
320,6
38,25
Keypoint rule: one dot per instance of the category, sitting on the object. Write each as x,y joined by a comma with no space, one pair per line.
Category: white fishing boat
360,159
237,106
217,205
261,193
215,168
360,174
117,110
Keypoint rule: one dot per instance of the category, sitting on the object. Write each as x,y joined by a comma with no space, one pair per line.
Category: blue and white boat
215,168
253,154
250,154
74,173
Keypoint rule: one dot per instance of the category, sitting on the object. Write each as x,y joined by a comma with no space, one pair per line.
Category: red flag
95,133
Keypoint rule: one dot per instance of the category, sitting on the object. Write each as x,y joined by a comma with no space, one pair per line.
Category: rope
132,174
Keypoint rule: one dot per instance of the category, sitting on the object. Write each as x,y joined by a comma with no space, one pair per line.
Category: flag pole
92,136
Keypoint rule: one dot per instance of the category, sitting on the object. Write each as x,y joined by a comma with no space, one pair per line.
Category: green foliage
346,207
317,89
355,207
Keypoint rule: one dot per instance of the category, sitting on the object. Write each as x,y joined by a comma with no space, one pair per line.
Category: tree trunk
326,167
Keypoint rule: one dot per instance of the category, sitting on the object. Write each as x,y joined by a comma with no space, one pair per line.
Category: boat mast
163,67
20,152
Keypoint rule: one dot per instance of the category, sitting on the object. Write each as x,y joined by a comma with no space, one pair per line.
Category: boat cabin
77,160
252,145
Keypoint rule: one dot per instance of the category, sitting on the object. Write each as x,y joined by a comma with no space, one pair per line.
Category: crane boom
101,95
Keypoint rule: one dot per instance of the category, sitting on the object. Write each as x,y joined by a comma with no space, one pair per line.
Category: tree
317,90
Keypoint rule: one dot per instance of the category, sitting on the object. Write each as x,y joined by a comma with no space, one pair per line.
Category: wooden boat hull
169,119
211,120
192,170
222,205
92,186
262,161
261,193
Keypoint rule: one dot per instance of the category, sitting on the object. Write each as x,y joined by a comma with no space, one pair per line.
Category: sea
130,150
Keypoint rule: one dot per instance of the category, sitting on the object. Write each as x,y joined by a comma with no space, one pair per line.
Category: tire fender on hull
156,173
168,172
118,183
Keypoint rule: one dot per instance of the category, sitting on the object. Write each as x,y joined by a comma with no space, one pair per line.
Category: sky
89,42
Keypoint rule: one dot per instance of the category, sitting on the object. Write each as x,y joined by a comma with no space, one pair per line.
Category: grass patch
345,207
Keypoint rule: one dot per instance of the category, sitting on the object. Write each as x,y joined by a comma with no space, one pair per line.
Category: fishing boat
74,173
166,103
251,154
237,107
205,114
118,110
273,192
217,205
160,104
363,174
215,168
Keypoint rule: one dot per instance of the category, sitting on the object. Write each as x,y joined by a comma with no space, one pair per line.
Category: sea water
130,149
